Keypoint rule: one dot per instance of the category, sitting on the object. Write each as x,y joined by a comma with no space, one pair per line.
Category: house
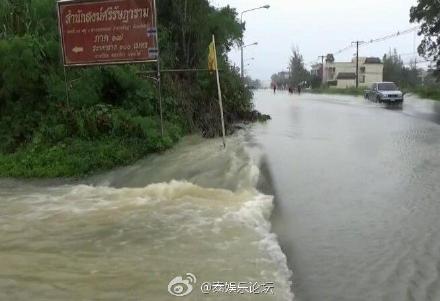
284,75
345,80
343,74
316,70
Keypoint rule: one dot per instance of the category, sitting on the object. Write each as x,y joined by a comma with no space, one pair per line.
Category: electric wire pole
357,62
242,55
322,66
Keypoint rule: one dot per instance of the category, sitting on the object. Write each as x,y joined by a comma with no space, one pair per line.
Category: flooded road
357,195
126,234
351,189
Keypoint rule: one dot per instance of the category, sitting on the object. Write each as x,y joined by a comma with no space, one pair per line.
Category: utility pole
357,62
415,50
241,49
322,66
242,60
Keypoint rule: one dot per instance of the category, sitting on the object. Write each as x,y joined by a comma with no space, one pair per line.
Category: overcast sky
319,27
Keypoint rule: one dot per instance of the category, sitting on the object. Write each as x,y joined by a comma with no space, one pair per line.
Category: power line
377,40
380,39
391,36
343,49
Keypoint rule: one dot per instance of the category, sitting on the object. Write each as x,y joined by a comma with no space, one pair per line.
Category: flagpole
219,94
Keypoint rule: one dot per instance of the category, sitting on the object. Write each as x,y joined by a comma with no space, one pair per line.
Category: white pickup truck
387,92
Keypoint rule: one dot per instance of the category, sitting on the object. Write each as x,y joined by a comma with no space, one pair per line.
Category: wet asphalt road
357,188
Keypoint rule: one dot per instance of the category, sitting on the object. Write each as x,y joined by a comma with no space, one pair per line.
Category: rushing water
124,235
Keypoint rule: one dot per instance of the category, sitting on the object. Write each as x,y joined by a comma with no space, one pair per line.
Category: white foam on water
127,243
255,214
211,232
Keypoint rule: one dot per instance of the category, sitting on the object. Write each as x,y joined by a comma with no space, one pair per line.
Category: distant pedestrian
299,89
274,89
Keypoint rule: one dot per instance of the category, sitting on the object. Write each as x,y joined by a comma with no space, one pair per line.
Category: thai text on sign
107,32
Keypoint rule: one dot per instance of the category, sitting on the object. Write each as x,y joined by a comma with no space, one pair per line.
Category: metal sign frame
115,62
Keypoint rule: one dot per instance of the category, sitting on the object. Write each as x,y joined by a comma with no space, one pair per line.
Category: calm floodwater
357,193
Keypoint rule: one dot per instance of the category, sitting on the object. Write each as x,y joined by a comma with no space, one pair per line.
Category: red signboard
108,31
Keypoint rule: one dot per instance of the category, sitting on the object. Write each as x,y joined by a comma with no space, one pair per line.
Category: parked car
387,92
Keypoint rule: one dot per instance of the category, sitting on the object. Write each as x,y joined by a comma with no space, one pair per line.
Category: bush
112,116
430,92
72,158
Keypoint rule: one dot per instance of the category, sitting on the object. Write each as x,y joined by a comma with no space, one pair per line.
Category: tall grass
430,92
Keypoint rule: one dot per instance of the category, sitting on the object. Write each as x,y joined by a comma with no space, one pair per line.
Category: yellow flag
212,58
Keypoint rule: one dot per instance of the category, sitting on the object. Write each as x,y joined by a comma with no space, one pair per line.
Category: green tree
395,70
111,105
252,83
392,66
281,79
298,73
427,12
188,27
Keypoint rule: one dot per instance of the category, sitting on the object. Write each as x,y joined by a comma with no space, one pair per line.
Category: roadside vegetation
112,117
409,78
429,92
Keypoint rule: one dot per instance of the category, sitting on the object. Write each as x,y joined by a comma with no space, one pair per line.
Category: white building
316,70
343,74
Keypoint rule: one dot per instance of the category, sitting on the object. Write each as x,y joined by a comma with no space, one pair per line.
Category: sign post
108,32
66,87
159,78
